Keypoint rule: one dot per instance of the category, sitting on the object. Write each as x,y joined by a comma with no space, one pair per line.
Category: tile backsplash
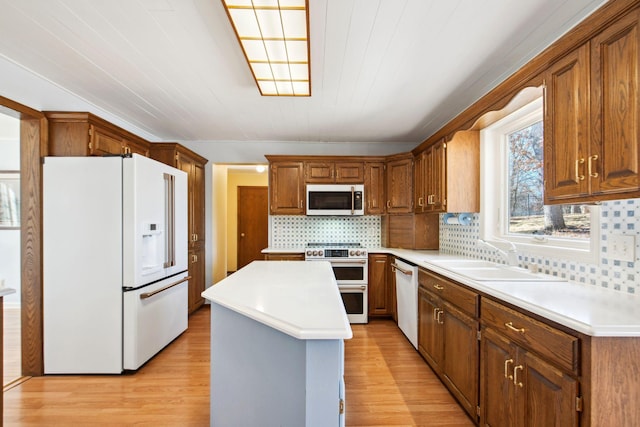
295,231
616,217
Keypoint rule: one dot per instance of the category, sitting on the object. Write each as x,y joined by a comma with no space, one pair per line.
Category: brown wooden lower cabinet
521,389
284,257
448,336
196,283
379,292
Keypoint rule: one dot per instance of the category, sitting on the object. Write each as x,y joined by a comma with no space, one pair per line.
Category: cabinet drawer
465,299
556,346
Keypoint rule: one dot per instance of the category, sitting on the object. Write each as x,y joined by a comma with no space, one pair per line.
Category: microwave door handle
169,217
353,196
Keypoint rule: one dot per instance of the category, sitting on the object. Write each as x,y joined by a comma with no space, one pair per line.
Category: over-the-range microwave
335,199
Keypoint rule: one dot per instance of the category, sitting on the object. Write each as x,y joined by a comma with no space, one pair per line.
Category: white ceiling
381,70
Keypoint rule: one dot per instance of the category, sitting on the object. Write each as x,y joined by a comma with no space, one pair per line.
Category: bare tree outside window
527,212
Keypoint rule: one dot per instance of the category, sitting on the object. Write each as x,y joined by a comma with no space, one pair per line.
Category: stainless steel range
350,266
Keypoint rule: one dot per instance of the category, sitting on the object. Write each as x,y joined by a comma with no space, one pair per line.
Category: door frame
33,146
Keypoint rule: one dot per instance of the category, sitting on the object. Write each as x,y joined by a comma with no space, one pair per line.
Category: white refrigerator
114,262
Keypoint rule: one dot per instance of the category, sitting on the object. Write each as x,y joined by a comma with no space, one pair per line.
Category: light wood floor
387,384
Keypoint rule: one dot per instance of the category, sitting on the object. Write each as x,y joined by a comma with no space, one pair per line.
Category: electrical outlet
622,247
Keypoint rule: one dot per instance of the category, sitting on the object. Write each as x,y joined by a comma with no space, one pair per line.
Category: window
512,193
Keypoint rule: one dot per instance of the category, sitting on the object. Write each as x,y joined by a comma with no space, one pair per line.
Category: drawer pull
515,375
506,369
509,325
438,287
435,313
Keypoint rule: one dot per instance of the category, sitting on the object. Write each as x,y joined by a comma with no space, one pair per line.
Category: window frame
494,204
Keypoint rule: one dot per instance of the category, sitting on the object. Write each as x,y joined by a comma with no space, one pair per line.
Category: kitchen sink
481,270
504,273
454,264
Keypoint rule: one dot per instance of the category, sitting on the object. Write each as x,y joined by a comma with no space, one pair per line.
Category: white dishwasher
407,297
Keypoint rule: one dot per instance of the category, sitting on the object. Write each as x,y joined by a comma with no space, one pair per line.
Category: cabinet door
319,172
186,165
286,188
378,288
349,172
419,182
374,188
497,360
544,395
104,143
136,147
196,283
430,337
614,162
566,127
400,186
460,357
438,178
198,202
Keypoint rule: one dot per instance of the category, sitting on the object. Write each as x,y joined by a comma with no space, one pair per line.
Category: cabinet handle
578,163
194,258
435,313
438,287
438,317
515,375
509,325
506,369
420,201
592,158
388,204
300,203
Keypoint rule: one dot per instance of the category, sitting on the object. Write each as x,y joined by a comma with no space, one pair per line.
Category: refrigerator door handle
170,234
147,295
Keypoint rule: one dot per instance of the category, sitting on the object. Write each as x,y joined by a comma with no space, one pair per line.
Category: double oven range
349,262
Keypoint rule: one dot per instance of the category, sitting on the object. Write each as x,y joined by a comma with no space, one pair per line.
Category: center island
277,346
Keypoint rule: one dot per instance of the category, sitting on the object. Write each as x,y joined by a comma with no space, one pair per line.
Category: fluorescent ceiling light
274,35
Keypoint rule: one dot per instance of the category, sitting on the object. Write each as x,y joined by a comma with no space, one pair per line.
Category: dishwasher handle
395,267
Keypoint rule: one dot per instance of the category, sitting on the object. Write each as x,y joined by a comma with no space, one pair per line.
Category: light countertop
588,309
300,299
7,291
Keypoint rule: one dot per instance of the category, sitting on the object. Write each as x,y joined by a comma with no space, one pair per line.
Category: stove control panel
335,253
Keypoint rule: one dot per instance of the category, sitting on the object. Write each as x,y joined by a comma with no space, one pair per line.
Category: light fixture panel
274,36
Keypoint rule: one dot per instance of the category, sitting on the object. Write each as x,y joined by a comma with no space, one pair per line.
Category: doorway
253,224
10,245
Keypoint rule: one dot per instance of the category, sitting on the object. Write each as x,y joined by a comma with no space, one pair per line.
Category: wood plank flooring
11,338
387,384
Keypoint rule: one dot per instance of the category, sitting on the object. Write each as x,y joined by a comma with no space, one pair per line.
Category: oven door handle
336,261
352,287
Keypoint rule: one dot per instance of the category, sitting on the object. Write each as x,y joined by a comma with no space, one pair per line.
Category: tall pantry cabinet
180,157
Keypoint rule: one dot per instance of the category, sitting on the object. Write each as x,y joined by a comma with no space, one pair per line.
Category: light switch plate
622,247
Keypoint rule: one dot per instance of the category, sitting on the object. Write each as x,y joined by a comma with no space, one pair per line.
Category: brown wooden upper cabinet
592,111
447,175
84,134
374,188
334,172
400,184
286,188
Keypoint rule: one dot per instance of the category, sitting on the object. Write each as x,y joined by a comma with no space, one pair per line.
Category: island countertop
300,299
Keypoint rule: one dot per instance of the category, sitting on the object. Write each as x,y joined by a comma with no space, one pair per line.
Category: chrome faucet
511,256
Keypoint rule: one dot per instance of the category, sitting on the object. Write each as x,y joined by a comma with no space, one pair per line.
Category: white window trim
492,225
